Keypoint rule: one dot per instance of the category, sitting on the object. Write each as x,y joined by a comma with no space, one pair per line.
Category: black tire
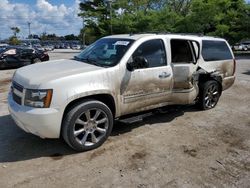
37,60
209,95
82,130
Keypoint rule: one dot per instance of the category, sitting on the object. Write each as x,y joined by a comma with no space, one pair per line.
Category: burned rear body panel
208,59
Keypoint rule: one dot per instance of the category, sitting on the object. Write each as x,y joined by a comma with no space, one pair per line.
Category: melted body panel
183,75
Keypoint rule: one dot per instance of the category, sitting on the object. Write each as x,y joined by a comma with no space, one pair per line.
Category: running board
136,118
139,117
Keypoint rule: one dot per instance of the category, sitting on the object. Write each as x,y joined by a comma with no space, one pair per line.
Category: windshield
106,52
2,50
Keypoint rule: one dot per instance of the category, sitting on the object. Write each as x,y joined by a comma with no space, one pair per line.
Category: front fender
78,95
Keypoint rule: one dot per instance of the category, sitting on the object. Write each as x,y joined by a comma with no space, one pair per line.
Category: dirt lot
180,148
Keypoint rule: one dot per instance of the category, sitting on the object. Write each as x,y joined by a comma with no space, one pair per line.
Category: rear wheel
37,60
209,95
87,125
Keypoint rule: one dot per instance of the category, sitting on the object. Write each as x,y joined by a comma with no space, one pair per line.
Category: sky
50,16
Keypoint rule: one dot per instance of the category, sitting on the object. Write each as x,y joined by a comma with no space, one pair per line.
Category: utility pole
110,9
29,29
83,33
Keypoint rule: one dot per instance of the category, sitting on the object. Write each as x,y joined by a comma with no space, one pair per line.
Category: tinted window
215,50
2,50
153,51
181,51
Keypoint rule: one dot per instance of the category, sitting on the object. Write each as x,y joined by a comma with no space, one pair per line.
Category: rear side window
215,50
181,51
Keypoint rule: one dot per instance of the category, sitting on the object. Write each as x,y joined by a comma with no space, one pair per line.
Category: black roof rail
166,32
139,33
192,34
153,32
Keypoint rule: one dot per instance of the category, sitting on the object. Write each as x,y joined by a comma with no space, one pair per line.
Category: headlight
38,98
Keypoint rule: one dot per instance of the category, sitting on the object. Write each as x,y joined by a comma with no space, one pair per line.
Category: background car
75,47
48,47
240,47
3,45
247,44
12,57
42,55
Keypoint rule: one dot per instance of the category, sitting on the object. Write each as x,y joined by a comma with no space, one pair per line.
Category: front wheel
209,95
87,125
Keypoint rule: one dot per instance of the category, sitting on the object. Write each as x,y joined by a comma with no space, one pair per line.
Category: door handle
164,75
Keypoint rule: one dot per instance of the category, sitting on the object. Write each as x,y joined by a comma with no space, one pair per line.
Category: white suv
116,76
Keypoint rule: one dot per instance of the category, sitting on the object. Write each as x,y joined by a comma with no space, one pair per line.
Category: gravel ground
182,147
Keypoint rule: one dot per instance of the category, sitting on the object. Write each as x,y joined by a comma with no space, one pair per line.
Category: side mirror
138,62
130,66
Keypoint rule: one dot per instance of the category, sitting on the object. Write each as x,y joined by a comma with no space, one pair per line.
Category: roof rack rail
150,32
192,34
139,33
166,32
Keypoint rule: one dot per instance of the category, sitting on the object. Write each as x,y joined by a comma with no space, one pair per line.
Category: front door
147,87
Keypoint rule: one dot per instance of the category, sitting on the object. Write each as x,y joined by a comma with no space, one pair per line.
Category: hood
33,75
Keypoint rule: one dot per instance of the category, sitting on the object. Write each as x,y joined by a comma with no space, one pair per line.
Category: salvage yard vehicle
116,76
17,56
240,47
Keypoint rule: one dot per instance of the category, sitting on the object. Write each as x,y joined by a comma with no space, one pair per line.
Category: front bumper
43,122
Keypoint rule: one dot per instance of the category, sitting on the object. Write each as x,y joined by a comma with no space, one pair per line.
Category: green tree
224,18
14,40
43,36
181,7
126,15
71,37
96,16
15,30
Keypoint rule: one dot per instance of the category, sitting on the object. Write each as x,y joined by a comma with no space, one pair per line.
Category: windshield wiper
90,61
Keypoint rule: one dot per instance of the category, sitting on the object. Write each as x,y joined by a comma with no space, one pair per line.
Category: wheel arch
105,98
73,107
204,77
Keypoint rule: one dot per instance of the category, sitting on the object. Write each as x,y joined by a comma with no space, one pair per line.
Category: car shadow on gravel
9,68
247,72
163,115
17,145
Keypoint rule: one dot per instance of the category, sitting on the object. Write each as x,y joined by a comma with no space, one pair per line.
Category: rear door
148,87
184,54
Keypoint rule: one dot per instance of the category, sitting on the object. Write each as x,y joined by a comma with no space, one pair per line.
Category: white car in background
247,44
48,47
2,45
240,47
76,47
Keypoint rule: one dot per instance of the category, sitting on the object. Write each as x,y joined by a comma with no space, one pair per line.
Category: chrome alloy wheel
90,127
212,96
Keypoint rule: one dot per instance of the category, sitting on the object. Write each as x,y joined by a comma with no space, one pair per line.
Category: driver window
153,51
